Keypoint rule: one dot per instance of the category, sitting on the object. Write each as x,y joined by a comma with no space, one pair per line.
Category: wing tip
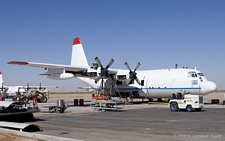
76,41
45,74
18,62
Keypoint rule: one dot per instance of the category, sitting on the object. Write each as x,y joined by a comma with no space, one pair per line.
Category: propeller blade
110,79
126,64
138,81
40,87
128,81
98,78
110,63
138,64
102,84
98,61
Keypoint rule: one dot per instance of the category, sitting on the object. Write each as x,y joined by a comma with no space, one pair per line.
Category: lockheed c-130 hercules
162,83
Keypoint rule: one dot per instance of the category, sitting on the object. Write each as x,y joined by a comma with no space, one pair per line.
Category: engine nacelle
60,76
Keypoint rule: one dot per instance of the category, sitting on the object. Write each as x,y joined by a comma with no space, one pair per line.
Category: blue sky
156,33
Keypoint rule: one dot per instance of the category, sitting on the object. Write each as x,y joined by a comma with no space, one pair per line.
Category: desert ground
7,136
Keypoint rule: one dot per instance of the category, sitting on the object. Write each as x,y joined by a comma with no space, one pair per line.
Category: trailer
105,104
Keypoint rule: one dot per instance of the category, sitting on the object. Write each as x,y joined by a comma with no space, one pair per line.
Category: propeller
103,71
133,74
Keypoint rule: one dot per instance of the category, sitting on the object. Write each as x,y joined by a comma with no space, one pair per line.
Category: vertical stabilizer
1,79
78,57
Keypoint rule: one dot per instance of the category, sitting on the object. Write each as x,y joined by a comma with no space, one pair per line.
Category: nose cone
208,87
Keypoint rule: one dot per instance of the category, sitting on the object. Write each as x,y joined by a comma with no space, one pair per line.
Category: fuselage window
200,74
194,82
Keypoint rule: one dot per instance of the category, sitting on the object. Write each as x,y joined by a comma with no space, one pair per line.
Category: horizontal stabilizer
18,63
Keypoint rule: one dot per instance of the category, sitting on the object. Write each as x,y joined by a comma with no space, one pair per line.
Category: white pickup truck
188,103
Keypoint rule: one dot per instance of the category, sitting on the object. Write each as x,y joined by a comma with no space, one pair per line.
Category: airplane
11,91
145,84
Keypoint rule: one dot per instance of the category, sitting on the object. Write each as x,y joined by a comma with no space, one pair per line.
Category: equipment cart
105,104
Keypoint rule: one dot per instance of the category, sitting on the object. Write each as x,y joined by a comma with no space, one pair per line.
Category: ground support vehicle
60,107
188,103
106,104
41,96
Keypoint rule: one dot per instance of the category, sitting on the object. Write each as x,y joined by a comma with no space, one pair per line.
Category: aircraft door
196,85
146,86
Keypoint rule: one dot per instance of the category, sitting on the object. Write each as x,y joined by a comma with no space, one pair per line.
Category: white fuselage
160,83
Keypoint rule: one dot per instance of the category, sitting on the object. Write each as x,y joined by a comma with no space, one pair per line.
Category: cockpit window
192,74
200,74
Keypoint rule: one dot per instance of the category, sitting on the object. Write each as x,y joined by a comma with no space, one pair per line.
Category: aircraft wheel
150,100
38,100
189,108
173,107
60,110
159,100
43,99
21,99
63,110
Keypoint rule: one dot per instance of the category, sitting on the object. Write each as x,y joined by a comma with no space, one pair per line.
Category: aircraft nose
208,87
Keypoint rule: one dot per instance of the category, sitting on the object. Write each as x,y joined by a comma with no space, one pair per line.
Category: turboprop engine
60,76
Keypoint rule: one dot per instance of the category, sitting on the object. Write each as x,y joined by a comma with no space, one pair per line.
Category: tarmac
139,121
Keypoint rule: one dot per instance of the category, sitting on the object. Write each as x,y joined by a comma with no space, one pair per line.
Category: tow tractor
188,103
41,94
25,94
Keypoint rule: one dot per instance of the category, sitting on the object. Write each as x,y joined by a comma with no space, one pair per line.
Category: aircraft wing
67,68
49,66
